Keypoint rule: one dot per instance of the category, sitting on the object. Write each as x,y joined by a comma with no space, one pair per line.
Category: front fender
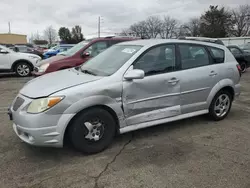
98,100
221,84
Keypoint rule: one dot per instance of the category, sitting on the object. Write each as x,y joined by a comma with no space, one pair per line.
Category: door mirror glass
134,74
2,51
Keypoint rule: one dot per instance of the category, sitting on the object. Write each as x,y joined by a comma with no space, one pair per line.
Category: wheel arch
19,61
225,84
109,105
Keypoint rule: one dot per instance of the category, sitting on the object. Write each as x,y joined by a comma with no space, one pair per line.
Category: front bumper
36,74
39,129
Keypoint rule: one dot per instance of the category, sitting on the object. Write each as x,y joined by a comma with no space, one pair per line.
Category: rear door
5,60
198,77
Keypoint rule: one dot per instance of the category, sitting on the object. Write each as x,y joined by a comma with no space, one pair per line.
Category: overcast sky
30,16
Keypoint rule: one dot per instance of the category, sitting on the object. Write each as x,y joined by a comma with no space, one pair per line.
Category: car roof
153,42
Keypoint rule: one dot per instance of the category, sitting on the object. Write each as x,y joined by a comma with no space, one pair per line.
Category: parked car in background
26,49
20,63
245,47
243,57
129,86
77,55
57,49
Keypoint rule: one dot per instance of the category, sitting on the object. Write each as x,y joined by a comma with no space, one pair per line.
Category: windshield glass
76,48
109,61
6,49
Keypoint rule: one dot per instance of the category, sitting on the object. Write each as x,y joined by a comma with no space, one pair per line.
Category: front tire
23,69
92,131
220,105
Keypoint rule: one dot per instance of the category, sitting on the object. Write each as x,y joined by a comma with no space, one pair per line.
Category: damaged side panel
150,99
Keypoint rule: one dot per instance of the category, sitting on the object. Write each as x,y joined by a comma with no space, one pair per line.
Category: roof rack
203,39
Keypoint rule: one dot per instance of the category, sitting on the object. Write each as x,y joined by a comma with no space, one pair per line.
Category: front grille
19,101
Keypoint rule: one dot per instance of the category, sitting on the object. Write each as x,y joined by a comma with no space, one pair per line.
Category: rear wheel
92,131
243,66
221,105
23,69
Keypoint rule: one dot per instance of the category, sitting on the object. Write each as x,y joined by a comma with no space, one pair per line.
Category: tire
243,66
82,138
23,69
223,108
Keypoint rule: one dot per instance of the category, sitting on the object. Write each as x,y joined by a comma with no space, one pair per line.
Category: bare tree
50,34
139,29
241,20
168,27
153,26
192,27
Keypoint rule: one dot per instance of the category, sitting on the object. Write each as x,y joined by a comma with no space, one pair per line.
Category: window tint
193,56
157,60
235,50
97,48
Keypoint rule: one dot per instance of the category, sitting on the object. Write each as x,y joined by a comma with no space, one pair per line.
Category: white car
20,63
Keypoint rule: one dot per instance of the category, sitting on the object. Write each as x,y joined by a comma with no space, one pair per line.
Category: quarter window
158,60
193,56
218,54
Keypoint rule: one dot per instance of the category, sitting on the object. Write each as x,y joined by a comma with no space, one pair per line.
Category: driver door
4,60
157,95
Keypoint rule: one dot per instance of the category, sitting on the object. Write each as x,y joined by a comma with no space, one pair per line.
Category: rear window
217,54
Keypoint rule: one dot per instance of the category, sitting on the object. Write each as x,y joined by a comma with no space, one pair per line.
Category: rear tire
220,105
23,69
92,131
243,66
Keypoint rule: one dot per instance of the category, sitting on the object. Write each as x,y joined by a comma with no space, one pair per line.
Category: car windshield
109,61
76,48
245,46
6,49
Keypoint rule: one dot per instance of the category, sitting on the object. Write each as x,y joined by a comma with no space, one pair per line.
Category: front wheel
92,131
220,106
23,69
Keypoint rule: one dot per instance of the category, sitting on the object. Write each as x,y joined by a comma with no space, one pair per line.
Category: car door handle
173,80
212,73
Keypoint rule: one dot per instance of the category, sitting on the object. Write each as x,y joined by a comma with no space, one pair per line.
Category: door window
97,48
218,55
157,60
193,56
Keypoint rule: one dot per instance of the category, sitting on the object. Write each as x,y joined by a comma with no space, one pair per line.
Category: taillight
239,69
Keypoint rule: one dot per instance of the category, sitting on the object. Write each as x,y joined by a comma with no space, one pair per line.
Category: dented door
157,95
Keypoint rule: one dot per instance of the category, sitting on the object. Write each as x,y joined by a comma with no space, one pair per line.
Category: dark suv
77,55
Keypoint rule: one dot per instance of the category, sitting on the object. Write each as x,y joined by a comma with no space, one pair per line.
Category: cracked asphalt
195,152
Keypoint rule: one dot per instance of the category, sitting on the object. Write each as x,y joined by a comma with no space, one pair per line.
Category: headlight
43,67
40,105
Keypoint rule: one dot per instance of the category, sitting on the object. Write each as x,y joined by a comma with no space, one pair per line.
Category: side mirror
2,51
134,74
85,54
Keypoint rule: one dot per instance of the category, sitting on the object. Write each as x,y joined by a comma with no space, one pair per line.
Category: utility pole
9,27
99,26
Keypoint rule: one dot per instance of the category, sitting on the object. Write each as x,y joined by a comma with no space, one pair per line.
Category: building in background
11,38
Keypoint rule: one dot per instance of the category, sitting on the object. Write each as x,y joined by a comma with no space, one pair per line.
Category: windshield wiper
88,72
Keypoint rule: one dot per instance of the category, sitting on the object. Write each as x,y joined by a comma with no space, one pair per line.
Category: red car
76,55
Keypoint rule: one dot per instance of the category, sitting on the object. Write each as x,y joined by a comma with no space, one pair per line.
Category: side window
97,48
217,54
157,60
113,42
193,56
235,51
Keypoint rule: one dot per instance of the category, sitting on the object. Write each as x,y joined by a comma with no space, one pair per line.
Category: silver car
131,85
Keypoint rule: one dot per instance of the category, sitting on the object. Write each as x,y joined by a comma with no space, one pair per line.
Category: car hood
51,59
27,54
50,83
